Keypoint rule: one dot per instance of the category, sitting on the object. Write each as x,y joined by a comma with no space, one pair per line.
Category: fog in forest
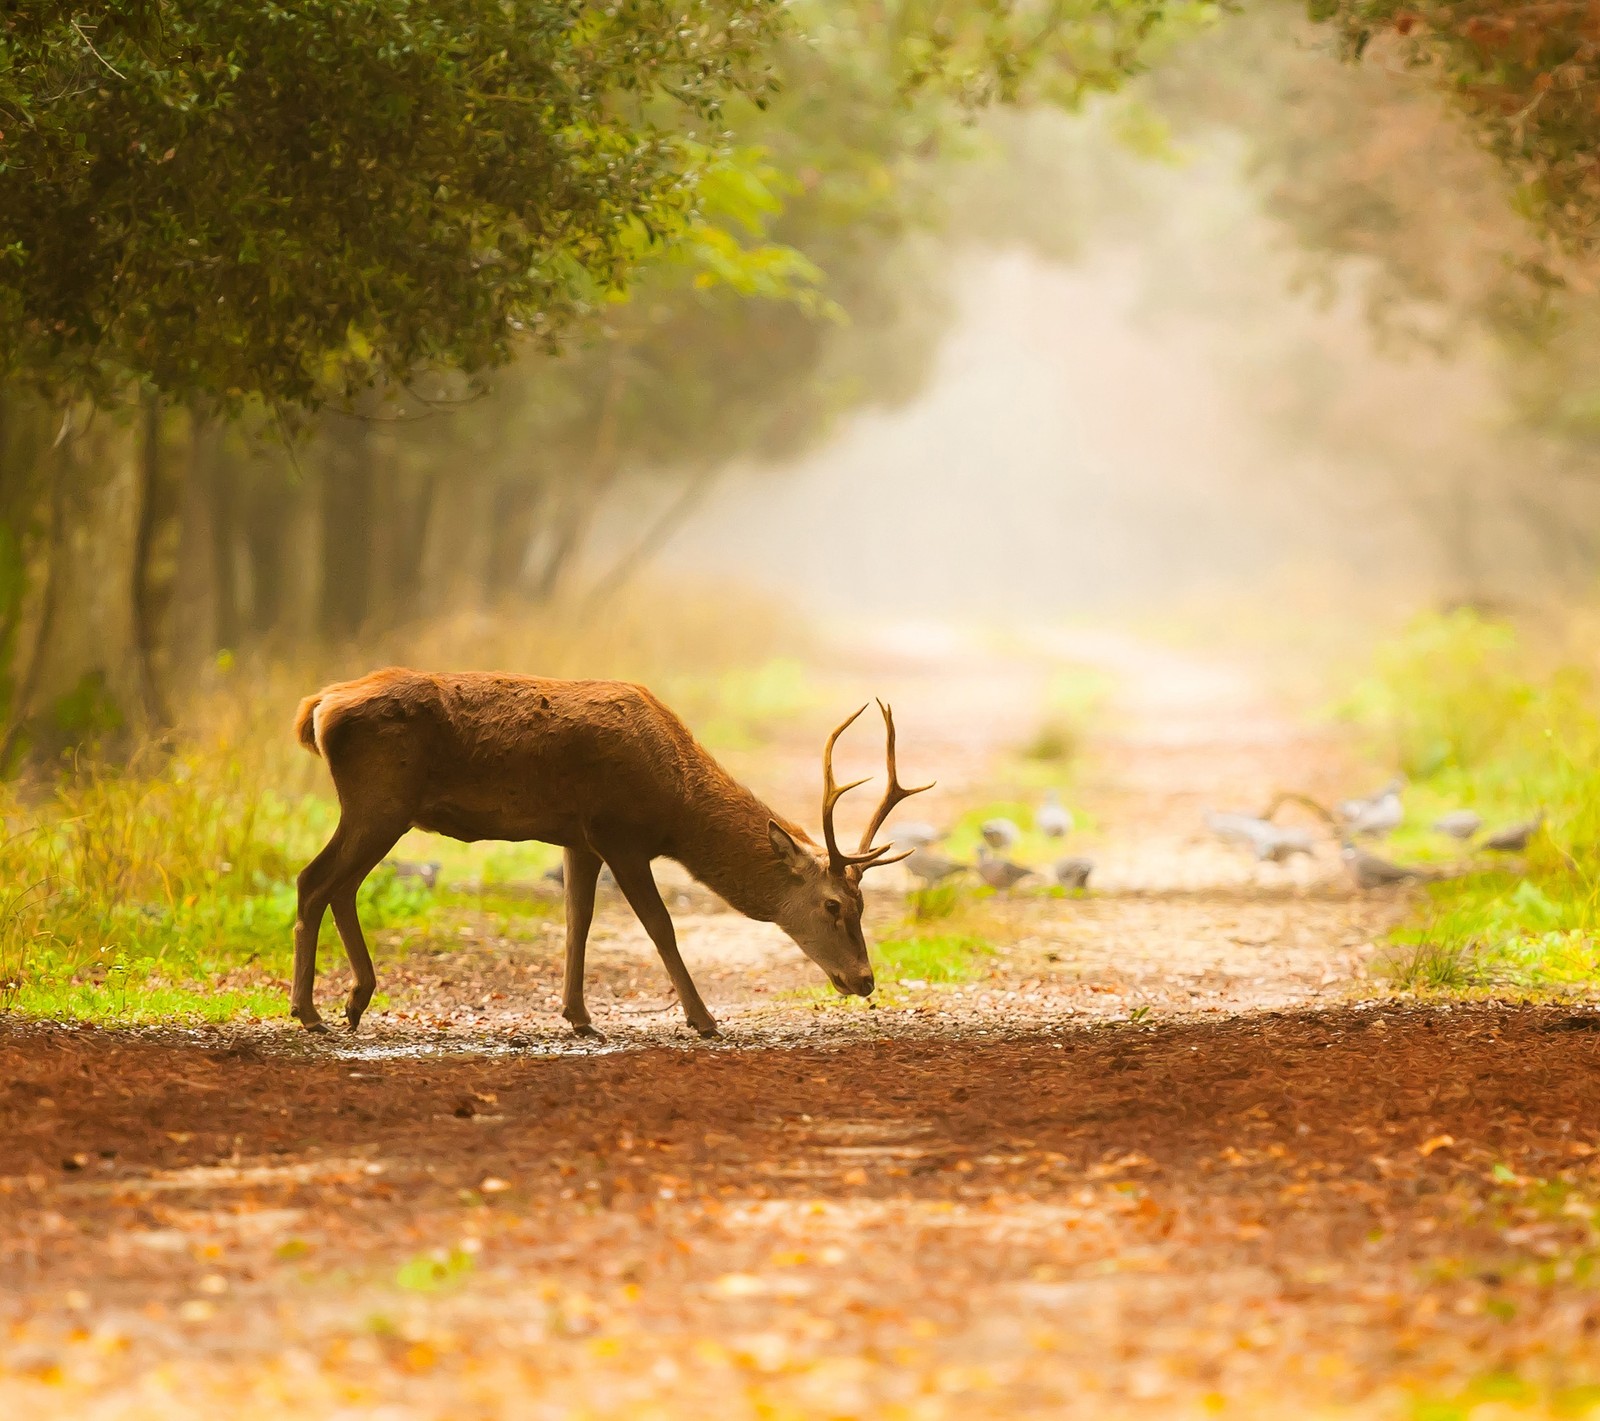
1165,414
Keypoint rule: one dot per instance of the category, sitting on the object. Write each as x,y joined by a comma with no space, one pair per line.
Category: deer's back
489,755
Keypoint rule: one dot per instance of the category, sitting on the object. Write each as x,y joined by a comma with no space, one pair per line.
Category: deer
605,771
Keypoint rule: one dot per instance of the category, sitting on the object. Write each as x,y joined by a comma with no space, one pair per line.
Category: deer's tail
305,723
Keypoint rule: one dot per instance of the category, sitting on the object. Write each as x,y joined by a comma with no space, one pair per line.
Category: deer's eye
834,907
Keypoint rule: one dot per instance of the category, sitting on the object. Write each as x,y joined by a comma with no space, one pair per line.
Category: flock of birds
1052,819
1365,817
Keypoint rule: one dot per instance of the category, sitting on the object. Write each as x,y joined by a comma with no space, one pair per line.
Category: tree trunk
196,623
54,563
223,501
347,509
152,586
584,496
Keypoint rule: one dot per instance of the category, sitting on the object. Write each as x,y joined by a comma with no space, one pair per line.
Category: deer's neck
723,842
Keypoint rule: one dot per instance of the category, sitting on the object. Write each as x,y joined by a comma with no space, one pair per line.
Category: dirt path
1154,1161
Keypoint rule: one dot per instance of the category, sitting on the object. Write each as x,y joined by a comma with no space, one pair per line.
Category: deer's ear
790,854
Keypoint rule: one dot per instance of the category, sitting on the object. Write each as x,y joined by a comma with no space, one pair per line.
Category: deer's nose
864,984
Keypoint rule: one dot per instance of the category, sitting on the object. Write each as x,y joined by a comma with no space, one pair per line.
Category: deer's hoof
353,1012
307,1015
585,1032
707,1030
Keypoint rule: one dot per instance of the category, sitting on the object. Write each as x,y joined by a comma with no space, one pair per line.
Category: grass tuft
1478,719
933,957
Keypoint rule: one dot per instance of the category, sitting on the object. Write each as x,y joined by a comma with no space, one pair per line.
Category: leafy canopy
235,200
1526,75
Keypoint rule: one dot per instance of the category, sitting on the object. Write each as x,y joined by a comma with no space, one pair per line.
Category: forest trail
1159,1157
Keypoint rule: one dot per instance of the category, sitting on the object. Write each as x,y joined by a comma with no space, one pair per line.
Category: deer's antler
874,858
866,856
838,861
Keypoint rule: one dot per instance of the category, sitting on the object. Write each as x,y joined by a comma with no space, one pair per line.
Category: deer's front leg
582,871
638,886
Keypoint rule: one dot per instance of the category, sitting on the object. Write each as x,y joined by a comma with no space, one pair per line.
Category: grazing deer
601,768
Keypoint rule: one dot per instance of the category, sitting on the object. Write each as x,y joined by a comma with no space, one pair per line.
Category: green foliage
936,902
1056,742
353,189
1444,695
931,957
137,896
1525,76
1479,721
435,1272
1445,250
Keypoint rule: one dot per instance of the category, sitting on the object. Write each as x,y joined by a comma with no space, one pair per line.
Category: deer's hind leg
331,879
581,873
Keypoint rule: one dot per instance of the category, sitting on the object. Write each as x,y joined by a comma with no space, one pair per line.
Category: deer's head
821,910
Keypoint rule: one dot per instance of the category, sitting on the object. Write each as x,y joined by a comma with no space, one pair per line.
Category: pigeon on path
1000,874
1269,842
1000,833
1376,814
1515,837
1074,872
1370,871
1459,823
933,867
1053,818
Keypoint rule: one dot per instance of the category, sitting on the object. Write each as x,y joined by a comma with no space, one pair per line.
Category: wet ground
1168,1154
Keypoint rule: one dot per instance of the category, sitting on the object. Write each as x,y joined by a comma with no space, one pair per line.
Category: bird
1376,813
1000,833
1513,839
1370,871
932,867
1074,872
918,835
428,873
1052,818
1000,874
1459,823
1269,842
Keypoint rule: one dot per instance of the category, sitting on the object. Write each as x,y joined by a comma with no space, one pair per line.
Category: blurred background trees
316,322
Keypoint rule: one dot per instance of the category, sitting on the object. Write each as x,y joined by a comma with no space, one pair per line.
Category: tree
1524,73
234,200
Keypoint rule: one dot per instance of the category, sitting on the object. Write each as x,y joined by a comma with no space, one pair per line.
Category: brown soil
1165,1158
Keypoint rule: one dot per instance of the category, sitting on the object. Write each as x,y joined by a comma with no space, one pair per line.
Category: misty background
1229,321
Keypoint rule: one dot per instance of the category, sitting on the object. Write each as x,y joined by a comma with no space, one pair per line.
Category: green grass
932,957
162,891
1476,718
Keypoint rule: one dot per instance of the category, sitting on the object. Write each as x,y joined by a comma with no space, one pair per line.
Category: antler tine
838,860
893,795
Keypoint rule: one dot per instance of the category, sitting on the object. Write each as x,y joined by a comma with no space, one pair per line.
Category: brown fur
601,768
304,731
